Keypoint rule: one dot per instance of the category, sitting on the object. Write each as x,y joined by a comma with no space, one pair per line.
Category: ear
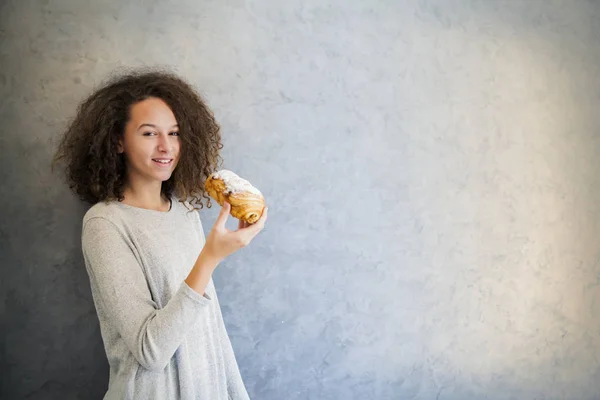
120,147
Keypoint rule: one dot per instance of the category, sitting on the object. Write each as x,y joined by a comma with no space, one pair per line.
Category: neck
147,196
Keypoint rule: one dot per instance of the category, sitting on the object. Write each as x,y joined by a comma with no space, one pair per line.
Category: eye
175,133
148,133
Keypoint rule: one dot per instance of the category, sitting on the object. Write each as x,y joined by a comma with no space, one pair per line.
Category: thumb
223,215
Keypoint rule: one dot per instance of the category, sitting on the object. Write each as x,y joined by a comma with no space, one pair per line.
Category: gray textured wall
431,166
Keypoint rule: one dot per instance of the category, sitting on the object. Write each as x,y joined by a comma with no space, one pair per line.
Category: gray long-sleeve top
162,339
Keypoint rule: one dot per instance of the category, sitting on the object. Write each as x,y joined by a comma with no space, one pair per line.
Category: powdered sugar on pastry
234,183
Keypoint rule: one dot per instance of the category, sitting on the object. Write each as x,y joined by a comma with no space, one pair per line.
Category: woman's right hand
221,242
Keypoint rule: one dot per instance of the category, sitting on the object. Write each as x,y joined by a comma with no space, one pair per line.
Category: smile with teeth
163,161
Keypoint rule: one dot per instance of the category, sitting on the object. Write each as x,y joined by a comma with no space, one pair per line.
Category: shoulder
190,214
105,228
184,206
104,213
101,210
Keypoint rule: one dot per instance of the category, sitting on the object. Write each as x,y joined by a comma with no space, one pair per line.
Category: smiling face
150,142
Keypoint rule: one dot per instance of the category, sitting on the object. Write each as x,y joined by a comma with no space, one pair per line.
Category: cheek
138,152
177,148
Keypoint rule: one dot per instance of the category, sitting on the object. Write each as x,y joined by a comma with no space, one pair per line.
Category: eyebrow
154,126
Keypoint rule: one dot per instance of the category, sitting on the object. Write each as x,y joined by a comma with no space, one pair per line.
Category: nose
164,146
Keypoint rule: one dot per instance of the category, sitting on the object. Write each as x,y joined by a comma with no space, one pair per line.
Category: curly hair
95,170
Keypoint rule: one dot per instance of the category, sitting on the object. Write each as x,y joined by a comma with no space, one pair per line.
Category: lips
163,162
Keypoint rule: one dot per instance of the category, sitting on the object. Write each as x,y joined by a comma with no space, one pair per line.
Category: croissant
247,202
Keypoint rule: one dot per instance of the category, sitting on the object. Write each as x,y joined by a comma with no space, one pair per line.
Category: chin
164,177
159,175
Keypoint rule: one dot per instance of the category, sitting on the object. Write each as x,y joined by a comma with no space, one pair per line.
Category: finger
264,216
253,229
223,215
260,224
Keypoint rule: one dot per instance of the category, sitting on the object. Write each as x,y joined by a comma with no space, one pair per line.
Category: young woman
139,150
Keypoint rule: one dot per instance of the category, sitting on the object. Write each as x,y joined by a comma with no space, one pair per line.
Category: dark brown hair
96,171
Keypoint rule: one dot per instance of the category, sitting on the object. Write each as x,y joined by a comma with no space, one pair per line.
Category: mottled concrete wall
432,172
